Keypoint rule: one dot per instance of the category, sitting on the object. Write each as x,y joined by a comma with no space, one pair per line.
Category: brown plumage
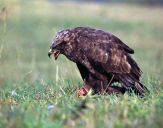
101,58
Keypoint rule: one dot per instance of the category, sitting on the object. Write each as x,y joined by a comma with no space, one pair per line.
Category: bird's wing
107,49
112,57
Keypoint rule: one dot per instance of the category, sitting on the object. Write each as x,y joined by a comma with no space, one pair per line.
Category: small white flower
13,93
51,107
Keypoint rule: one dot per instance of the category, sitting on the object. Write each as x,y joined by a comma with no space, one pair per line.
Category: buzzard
102,60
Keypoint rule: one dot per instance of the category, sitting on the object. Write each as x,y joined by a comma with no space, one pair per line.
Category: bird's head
62,39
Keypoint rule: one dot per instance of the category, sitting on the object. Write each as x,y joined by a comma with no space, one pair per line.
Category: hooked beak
54,52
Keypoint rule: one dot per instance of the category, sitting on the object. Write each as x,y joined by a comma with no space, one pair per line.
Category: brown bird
101,58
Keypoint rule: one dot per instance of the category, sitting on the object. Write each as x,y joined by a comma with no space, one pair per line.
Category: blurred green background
29,79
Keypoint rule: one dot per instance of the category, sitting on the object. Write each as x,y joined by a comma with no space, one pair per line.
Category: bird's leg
91,83
98,86
101,87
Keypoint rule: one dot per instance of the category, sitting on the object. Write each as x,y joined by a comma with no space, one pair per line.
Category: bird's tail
133,85
140,89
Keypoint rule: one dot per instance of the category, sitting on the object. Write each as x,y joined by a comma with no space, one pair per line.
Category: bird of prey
102,59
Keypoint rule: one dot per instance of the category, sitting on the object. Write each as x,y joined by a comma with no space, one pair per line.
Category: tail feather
132,84
141,88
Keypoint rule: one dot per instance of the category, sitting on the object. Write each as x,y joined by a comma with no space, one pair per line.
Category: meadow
38,92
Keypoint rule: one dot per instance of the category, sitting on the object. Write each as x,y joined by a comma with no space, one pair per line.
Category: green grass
30,81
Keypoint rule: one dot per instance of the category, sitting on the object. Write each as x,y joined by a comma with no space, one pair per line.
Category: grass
30,82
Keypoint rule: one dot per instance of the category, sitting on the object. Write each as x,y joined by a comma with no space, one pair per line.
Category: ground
40,92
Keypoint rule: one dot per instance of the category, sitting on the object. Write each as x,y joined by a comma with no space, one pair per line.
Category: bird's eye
56,36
